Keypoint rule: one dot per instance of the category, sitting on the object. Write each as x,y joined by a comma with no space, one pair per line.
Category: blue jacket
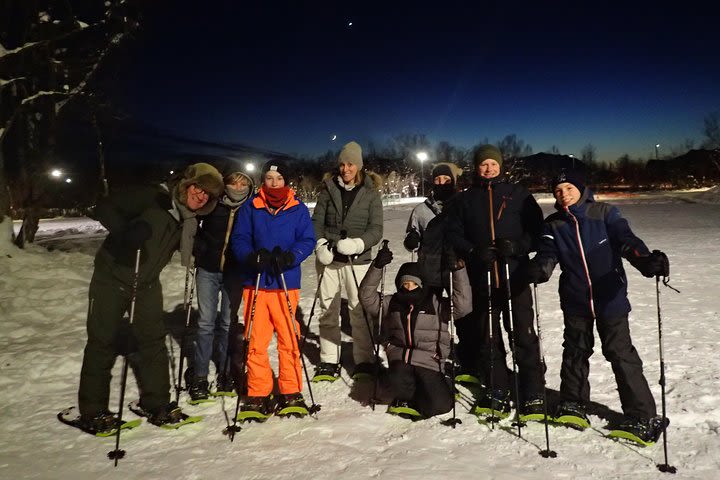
588,239
289,228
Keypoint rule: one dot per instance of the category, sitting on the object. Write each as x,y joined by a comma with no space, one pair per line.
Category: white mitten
350,246
322,252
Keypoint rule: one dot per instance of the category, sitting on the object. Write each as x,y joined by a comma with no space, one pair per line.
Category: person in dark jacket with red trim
493,224
589,239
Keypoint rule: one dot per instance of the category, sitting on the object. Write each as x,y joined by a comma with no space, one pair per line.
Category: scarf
275,197
236,196
187,237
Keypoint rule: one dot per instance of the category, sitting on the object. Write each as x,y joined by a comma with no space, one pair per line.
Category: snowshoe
533,409
468,380
364,372
493,407
199,392
404,409
291,404
104,424
644,432
572,415
256,409
169,417
326,372
224,387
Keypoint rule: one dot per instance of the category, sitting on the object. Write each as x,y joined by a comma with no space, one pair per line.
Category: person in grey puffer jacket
348,222
415,334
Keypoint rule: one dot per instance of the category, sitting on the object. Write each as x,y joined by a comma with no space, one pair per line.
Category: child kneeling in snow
415,334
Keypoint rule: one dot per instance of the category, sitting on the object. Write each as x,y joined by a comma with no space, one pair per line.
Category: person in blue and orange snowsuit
273,234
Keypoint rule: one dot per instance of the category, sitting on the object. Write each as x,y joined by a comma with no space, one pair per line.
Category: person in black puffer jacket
495,224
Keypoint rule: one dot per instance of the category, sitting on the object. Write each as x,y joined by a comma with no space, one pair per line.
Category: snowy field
43,302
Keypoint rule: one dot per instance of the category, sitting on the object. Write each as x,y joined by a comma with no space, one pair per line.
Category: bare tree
588,154
48,58
712,131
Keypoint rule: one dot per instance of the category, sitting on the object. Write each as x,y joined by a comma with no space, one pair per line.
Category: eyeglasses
197,191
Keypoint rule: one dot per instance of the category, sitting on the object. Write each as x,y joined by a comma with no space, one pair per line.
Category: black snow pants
427,390
635,396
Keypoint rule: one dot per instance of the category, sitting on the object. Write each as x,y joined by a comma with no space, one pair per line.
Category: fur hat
204,176
447,168
568,176
276,166
410,271
351,153
487,151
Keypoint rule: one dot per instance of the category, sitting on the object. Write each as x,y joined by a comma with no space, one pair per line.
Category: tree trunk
29,228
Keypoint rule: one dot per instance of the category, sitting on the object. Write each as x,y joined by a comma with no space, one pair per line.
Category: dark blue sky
289,78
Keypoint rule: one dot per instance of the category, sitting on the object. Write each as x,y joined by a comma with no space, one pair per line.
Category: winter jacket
588,239
364,218
154,205
289,228
430,219
419,335
213,239
516,216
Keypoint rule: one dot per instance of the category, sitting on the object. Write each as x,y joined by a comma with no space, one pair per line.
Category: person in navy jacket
589,239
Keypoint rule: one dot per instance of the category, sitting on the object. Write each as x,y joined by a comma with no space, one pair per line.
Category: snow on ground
43,302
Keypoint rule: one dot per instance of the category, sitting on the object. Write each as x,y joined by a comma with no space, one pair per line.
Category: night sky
289,78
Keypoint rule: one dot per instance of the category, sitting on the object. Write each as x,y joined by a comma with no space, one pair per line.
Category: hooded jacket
289,228
212,241
364,218
160,209
416,335
588,240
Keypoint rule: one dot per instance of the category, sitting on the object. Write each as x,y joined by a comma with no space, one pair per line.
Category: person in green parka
157,221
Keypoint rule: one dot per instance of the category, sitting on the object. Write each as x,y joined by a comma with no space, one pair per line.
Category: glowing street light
422,156
657,145
249,167
56,173
68,180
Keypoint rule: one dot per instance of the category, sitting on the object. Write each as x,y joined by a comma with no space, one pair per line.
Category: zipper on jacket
584,260
409,335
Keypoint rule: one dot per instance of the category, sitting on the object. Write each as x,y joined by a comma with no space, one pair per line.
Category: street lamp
657,145
56,173
422,156
249,167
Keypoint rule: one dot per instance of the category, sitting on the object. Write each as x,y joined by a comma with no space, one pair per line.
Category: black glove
536,274
450,261
412,240
655,264
484,255
506,247
135,234
383,257
282,260
260,260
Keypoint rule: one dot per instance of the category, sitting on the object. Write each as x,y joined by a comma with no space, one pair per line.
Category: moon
334,137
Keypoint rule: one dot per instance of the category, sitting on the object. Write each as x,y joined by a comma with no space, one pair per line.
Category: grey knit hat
351,153
487,151
409,271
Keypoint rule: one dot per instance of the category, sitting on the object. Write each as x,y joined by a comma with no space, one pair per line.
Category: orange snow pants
271,315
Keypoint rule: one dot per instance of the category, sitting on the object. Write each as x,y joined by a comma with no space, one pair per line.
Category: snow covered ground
43,302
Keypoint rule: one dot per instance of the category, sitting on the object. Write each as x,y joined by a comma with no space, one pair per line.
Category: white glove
323,253
350,246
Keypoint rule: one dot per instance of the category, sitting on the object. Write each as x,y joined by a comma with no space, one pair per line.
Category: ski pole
312,309
376,348
511,321
231,430
547,452
183,338
117,454
452,422
314,408
663,467
492,351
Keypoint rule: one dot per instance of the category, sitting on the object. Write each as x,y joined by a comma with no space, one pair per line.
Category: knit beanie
487,151
446,168
409,272
568,176
276,166
351,153
203,175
